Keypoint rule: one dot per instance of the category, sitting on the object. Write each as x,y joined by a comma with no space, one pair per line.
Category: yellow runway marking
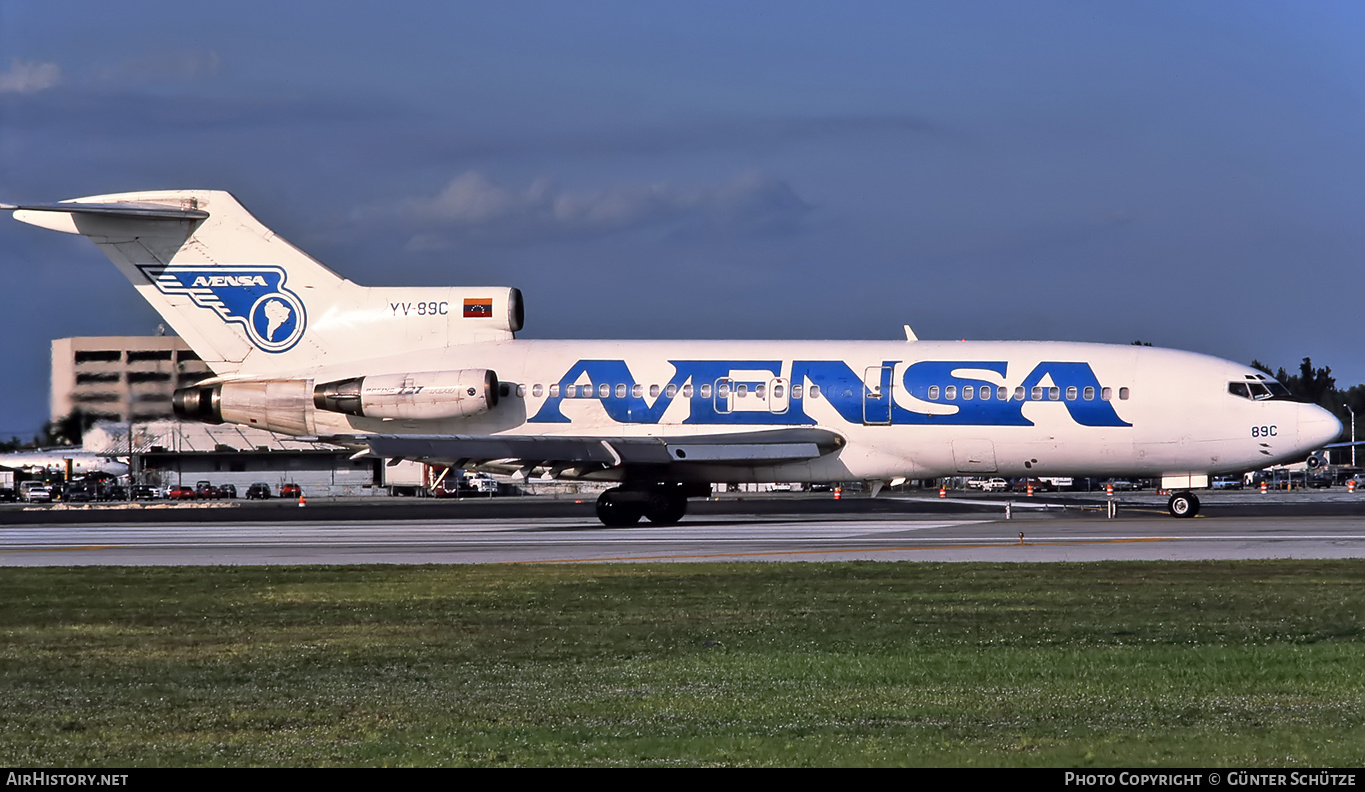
839,550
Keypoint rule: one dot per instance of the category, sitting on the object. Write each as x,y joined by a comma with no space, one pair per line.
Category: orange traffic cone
303,501
838,493
943,491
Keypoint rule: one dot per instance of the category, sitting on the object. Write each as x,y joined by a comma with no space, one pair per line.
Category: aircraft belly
974,455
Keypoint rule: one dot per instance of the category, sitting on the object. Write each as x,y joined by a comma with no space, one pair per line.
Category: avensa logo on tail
251,296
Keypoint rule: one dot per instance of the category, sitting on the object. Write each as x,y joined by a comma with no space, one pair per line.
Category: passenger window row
605,390
1037,393
741,390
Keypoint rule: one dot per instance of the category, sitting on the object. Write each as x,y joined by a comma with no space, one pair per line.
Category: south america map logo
248,295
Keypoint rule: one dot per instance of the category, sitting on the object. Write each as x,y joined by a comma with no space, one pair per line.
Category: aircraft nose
1317,427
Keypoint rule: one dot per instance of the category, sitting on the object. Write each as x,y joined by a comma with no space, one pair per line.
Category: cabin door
877,396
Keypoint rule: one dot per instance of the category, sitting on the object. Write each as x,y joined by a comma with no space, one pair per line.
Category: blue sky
1187,174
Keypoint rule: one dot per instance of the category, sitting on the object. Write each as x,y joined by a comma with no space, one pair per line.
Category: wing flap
741,448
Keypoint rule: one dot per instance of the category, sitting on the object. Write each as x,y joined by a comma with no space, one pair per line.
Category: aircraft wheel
665,508
617,513
1183,504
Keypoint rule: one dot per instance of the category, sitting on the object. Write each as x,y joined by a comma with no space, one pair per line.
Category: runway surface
888,529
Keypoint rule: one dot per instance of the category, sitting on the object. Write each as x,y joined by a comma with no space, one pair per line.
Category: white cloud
471,205
470,199
29,77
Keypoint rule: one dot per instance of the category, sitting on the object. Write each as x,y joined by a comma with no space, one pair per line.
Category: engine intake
424,395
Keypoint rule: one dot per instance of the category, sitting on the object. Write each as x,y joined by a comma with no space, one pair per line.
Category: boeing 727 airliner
437,375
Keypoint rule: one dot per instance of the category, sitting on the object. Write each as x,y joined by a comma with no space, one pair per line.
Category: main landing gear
661,504
1183,504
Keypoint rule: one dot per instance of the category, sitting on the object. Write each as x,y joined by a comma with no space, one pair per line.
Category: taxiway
887,529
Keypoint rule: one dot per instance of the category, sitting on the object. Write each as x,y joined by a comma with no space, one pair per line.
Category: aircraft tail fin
227,284
250,303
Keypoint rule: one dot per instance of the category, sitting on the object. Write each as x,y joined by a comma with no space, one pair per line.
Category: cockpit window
1278,391
1260,389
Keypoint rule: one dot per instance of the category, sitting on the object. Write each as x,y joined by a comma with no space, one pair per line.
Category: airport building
126,382
121,378
174,453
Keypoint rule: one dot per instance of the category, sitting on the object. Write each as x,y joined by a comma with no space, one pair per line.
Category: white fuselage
1035,408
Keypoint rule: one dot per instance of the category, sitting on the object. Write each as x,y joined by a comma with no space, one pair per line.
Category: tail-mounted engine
277,405
290,406
426,395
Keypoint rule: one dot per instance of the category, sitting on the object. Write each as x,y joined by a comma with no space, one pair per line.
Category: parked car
258,491
181,493
35,492
1227,483
291,490
94,488
1119,485
145,492
8,495
1022,485
995,485
83,492
227,490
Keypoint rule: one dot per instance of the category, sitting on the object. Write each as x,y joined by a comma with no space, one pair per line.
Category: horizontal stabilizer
141,211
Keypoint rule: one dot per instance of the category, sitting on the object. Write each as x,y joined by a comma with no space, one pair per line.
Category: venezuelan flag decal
478,307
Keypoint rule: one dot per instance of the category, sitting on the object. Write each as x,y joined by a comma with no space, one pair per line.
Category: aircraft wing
590,453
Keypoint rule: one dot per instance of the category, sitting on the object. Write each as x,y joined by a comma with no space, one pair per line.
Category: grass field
1244,663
